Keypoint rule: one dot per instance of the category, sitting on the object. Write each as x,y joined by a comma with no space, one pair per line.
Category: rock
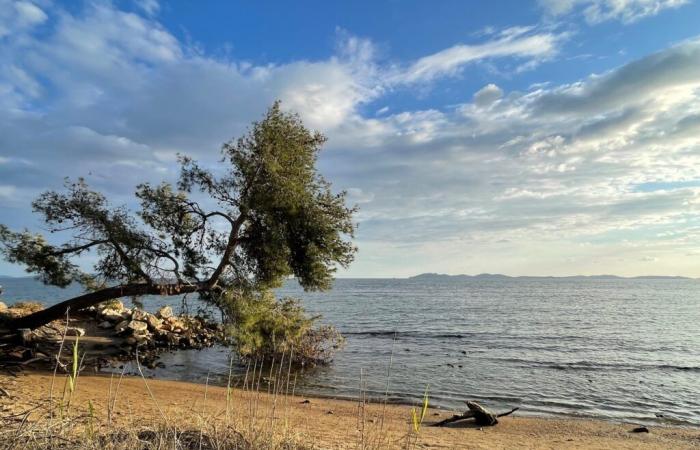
178,326
153,322
139,314
173,339
165,312
137,326
121,326
142,339
640,430
75,331
111,314
26,335
106,324
131,340
126,314
3,307
111,304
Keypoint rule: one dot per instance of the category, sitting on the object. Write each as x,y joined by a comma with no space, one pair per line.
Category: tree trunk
58,311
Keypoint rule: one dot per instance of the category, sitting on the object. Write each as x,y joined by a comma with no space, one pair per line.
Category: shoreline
325,422
650,421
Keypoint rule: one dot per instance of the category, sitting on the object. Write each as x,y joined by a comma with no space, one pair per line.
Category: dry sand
328,423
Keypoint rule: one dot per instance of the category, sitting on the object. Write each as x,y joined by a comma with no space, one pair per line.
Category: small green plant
265,328
73,374
418,418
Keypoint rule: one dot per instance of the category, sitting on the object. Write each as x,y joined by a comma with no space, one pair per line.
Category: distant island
498,276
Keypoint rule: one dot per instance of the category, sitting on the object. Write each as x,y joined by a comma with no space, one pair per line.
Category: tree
269,216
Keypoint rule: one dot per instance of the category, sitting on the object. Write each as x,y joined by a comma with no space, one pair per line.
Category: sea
611,348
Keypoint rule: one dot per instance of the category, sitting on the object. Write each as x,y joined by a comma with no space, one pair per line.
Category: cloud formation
543,180
598,11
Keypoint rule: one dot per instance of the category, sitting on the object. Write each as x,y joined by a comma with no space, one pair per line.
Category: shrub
264,327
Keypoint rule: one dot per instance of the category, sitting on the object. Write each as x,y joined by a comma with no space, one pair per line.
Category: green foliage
265,214
264,327
37,255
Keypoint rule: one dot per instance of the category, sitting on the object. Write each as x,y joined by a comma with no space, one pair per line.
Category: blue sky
549,137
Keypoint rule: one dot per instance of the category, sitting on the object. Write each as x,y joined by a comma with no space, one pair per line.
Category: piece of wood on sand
482,416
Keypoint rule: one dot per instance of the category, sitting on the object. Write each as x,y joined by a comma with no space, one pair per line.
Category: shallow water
618,349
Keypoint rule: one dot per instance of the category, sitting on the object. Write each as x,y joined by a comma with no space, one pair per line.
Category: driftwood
481,416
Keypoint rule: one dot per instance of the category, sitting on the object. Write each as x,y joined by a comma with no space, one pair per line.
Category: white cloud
597,11
517,43
557,167
18,16
7,191
487,95
150,7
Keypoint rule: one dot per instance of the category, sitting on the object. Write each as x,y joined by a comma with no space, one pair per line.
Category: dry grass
59,421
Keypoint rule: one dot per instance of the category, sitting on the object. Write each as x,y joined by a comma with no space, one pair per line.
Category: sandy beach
318,423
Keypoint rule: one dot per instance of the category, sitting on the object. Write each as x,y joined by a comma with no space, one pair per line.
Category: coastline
323,422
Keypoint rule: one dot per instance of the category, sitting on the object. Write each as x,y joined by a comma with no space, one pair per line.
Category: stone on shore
112,314
153,322
139,314
165,312
121,326
137,326
111,304
3,307
105,325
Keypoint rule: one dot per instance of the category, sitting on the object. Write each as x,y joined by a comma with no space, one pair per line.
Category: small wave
415,334
591,365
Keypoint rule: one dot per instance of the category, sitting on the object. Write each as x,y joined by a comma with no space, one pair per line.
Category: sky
550,137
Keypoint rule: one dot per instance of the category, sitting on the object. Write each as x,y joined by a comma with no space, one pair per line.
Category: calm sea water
618,349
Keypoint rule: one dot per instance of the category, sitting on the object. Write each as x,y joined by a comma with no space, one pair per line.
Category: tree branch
230,247
77,249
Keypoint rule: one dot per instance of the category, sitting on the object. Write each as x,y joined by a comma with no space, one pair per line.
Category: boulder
3,307
111,304
137,326
153,322
104,325
177,326
173,339
165,312
111,314
142,339
139,314
121,326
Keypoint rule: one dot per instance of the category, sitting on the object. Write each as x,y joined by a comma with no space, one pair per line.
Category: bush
263,327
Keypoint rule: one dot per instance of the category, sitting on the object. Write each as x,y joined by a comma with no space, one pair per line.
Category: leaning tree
266,214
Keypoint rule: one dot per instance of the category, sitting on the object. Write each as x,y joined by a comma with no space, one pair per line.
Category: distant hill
498,276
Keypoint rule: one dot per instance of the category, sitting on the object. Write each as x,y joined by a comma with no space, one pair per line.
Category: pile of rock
164,329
